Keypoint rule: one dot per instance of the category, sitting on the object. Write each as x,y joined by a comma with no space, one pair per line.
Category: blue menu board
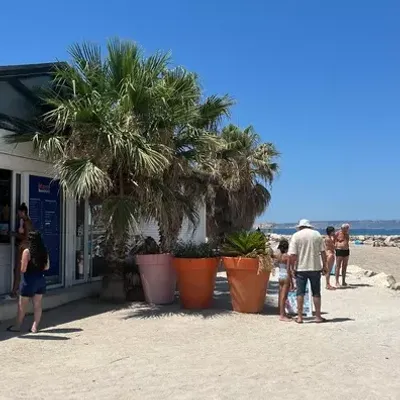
45,213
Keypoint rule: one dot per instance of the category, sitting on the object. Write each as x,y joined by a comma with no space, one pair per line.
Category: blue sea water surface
353,232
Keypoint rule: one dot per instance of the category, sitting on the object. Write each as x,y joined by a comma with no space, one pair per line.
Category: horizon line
331,220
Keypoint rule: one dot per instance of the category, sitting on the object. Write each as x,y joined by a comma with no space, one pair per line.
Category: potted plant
196,267
248,263
156,272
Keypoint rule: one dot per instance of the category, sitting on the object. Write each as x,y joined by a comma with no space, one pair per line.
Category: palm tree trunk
168,231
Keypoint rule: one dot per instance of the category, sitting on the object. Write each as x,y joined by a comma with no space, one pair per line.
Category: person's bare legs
300,307
344,270
339,262
17,281
283,293
22,305
317,306
37,312
330,262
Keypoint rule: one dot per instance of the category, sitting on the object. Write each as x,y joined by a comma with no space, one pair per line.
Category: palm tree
246,169
194,146
129,132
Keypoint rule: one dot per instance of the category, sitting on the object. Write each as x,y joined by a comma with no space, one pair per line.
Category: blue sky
319,79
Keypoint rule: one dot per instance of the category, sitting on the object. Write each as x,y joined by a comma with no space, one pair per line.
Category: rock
396,286
355,270
362,273
384,280
388,241
275,238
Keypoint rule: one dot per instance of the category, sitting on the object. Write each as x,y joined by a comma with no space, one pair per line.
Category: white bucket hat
304,223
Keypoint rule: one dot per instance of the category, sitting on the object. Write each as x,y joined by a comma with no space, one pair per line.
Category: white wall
187,232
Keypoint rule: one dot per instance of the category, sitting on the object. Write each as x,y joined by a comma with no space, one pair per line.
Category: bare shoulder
284,257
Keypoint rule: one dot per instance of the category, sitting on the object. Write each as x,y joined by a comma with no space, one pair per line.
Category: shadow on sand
72,312
75,311
221,305
352,286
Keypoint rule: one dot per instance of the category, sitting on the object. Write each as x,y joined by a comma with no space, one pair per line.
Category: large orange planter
248,290
196,281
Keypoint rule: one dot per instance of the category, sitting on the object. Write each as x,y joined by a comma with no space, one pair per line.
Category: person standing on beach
330,254
308,258
35,261
24,227
342,244
285,277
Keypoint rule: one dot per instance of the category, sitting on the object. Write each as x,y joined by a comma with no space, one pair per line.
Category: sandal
330,287
298,321
320,321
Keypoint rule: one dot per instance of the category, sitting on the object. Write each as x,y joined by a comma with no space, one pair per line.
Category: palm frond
120,214
82,178
213,110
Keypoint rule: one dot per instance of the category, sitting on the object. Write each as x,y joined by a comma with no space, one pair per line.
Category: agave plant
249,245
194,250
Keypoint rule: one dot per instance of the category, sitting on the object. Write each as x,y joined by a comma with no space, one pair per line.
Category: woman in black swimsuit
342,253
35,261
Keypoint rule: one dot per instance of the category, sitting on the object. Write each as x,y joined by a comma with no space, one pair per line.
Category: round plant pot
196,281
158,278
248,289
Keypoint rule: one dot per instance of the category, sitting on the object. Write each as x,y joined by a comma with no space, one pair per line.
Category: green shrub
194,250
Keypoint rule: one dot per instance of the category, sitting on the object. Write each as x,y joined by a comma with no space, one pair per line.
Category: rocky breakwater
372,240
275,238
377,241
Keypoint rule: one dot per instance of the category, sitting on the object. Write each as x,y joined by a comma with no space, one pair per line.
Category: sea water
353,232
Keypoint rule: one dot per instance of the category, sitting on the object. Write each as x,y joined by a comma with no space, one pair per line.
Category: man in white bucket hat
308,257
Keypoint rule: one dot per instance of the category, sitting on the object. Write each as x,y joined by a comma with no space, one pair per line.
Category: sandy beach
93,350
378,259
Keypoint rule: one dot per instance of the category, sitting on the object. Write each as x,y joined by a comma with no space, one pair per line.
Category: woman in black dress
34,262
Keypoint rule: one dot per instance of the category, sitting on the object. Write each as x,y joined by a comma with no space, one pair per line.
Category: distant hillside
367,224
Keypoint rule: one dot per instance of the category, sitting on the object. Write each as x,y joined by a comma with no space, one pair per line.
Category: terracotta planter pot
248,290
158,277
196,281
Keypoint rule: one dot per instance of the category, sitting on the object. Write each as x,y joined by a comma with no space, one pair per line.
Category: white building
70,229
